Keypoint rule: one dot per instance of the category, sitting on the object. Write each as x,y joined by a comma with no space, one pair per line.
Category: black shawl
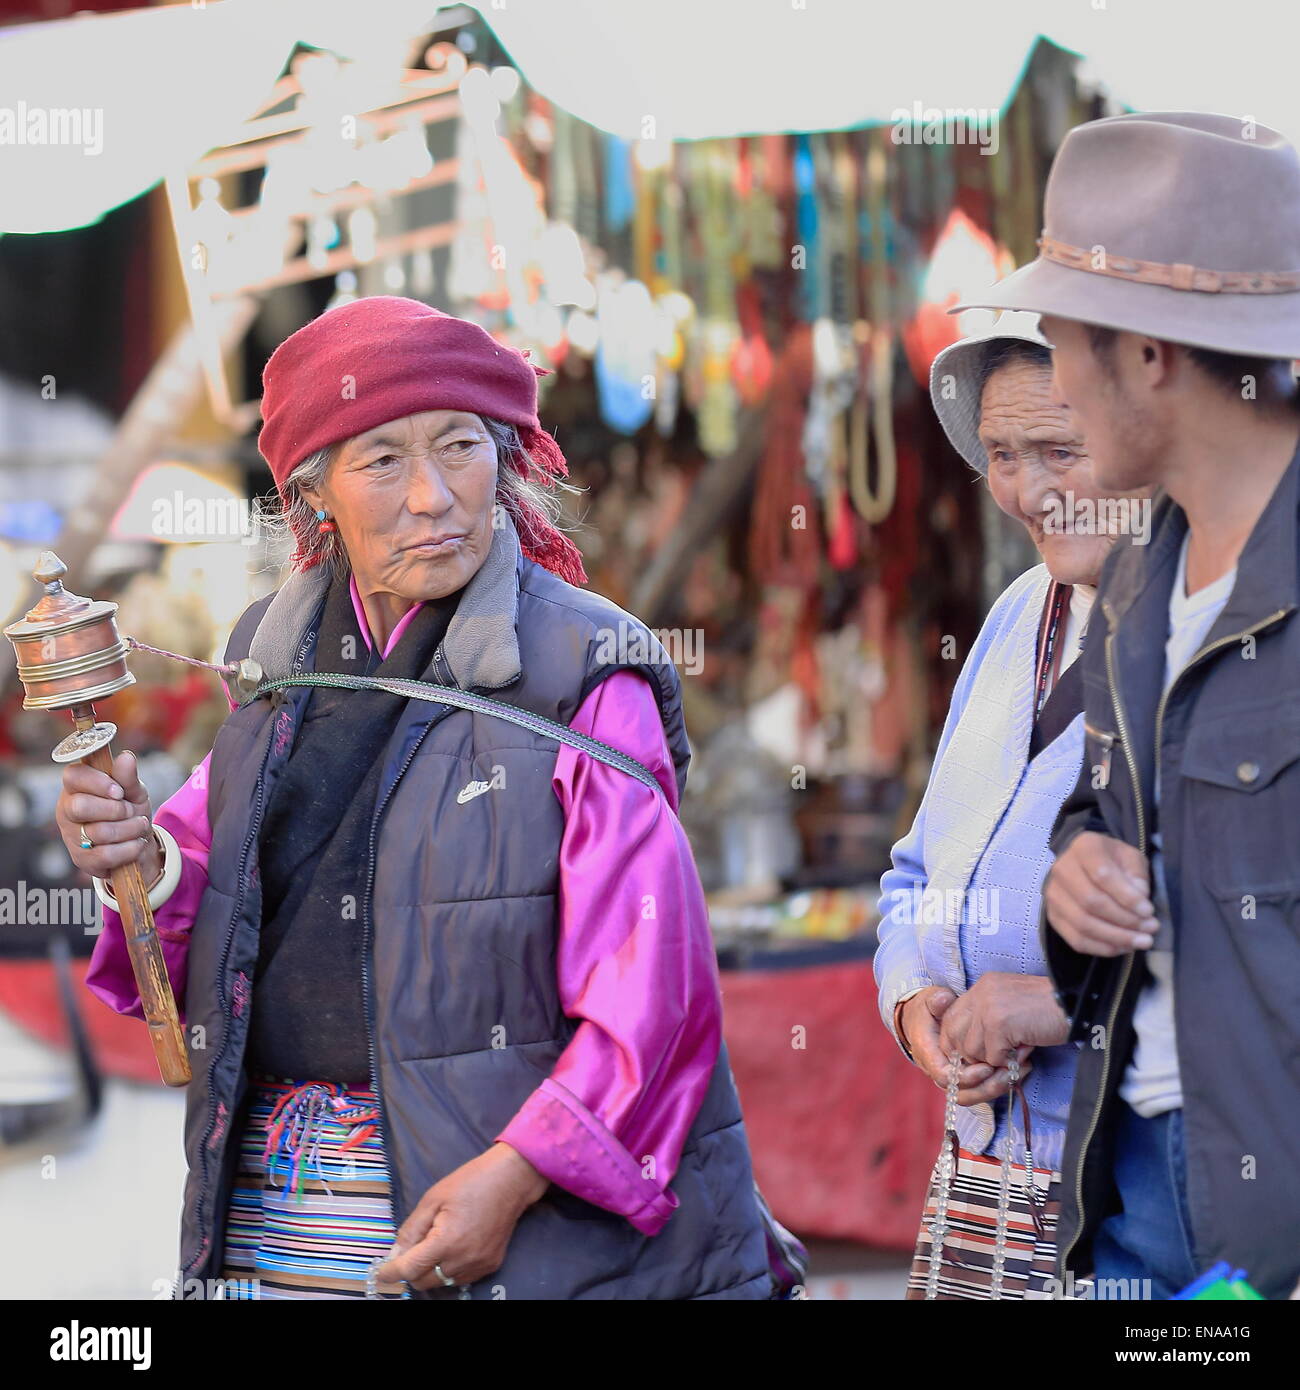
307,1020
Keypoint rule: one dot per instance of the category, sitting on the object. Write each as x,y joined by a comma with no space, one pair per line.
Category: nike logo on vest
472,789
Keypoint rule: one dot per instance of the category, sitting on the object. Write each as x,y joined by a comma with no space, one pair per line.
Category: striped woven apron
311,1207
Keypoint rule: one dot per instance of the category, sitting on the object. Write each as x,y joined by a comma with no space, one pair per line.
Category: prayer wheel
69,654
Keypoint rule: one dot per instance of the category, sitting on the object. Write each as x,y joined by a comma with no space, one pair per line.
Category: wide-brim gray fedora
1181,225
957,376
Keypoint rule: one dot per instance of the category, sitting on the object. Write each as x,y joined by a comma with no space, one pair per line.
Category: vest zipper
441,666
249,841
368,945
1127,968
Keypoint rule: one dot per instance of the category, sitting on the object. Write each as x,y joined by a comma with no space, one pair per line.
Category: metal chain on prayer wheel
69,655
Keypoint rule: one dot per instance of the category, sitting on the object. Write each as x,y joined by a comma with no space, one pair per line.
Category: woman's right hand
116,814
921,1021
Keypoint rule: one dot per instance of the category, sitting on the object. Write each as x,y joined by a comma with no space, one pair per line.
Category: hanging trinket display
875,503
771,277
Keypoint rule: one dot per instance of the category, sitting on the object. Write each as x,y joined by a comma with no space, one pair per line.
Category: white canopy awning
150,91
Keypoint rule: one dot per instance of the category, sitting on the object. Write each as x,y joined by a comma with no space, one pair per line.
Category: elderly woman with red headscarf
448,983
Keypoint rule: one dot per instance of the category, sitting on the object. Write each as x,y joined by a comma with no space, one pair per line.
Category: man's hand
1098,897
464,1223
920,1025
999,1012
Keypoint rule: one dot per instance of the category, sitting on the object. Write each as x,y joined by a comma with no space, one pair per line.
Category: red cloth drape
29,996
843,1129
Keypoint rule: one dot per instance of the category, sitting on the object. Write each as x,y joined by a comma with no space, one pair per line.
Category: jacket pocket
1242,776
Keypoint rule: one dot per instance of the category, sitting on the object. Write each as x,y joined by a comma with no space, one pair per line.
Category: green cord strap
479,704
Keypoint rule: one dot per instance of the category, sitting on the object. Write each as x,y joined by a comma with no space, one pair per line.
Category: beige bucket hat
956,379
1178,224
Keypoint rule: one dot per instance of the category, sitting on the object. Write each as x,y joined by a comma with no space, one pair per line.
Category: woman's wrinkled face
1040,472
413,502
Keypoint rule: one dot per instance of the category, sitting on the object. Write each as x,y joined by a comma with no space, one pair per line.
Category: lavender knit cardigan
962,895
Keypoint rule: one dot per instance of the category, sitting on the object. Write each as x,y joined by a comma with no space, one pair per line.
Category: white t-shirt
1152,1085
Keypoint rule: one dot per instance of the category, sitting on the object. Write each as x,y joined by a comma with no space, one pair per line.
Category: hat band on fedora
1178,276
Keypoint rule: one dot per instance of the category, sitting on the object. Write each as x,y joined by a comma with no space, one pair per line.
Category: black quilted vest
460,928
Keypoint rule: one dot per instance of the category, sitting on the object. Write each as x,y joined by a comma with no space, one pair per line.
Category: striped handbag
989,1226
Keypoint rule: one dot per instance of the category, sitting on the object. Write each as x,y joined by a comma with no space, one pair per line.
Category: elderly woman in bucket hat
451,994
1169,284
960,968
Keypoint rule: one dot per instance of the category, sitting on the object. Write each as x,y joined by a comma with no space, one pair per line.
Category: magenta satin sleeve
636,965
109,974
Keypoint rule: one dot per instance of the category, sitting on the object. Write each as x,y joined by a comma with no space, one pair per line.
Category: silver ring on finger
437,1269
86,842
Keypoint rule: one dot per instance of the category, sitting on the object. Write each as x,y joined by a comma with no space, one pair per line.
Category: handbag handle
1031,1192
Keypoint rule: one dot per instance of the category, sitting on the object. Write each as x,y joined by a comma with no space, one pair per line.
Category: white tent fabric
166,85
725,67
151,91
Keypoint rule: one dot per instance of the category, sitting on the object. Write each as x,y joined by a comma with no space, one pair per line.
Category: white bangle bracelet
166,885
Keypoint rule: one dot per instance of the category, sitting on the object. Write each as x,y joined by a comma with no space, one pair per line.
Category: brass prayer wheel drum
68,647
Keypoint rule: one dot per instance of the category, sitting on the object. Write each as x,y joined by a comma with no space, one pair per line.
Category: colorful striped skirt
311,1208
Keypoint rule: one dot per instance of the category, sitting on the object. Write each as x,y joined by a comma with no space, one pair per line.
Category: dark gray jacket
459,919
1227,740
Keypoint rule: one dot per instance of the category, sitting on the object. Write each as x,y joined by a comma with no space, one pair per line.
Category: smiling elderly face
413,501
1038,461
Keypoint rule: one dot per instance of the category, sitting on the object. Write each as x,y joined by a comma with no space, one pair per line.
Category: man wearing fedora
1168,282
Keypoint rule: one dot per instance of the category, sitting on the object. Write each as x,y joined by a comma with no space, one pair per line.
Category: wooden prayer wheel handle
145,950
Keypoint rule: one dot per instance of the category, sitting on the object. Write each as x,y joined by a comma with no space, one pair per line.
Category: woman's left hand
1001,1012
464,1223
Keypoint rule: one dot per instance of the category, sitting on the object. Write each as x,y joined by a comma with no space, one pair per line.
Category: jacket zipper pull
1107,742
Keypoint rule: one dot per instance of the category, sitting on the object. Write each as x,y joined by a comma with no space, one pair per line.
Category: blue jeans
1148,1246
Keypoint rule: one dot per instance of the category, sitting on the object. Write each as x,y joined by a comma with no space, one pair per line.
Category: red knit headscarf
379,359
